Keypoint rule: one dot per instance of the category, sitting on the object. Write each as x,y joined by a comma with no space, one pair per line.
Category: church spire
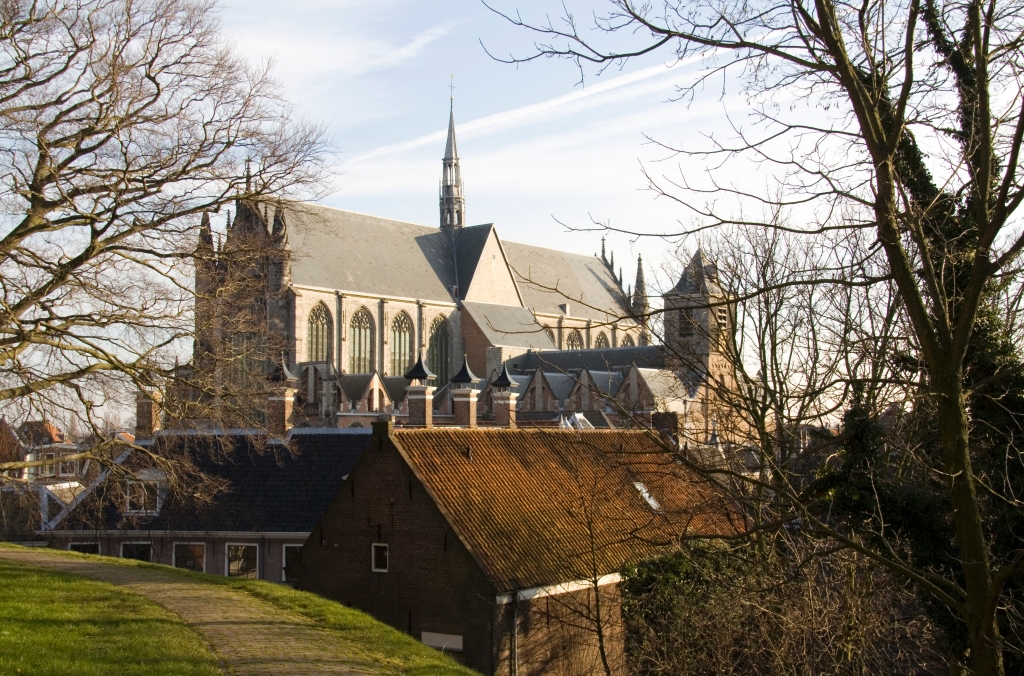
639,304
453,204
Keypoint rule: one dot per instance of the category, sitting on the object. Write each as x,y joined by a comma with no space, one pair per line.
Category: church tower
453,203
698,318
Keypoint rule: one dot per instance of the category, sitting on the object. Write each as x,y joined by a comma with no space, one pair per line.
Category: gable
491,280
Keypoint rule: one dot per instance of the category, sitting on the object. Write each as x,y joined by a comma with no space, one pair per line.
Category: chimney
504,399
464,396
279,412
420,396
147,415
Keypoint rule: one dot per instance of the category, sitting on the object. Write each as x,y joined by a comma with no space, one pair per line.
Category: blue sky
535,145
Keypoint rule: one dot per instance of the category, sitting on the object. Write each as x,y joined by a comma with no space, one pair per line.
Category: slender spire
453,204
640,307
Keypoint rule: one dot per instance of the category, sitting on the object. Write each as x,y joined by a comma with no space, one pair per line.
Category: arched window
627,341
360,340
601,342
574,341
318,337
439,350
401,345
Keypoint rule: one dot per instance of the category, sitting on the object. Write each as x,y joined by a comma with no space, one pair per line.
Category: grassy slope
51,623
388,649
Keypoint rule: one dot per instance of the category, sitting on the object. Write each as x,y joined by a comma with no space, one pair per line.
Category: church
346,303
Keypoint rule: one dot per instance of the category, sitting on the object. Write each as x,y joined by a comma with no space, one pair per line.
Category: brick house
503,546
270,497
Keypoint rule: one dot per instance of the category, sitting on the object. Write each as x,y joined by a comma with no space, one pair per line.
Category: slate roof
354,385
651,356
579,279
396,387
348,251
469,244
561,384
606,382
525,502
700,277
268,491
509,326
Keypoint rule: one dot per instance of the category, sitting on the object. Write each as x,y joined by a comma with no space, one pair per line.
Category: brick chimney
464,396
421,405
504,399
147,415
279,412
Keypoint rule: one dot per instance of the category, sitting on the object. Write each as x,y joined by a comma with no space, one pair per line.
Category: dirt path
248,635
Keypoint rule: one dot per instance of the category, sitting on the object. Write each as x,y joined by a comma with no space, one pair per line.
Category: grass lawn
51,623
389,650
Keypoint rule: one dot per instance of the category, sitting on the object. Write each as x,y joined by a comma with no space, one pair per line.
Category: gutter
555,589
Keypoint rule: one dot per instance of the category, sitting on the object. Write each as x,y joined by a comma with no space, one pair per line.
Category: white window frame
137,542
50,468
74,468
284,548
174,554
128,511
227,559
373,557
99,547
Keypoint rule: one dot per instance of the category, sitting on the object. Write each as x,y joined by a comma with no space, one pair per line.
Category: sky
541,152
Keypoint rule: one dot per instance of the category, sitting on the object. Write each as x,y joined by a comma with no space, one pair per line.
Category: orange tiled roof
539,507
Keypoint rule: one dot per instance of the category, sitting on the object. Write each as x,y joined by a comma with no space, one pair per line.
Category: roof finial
451,89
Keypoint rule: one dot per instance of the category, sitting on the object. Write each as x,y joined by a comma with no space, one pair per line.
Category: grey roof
606,382
665,385
579,279
354,385
450,151
651,356
561,384
396,387
469,244
521,382
509,325
343,250
699,278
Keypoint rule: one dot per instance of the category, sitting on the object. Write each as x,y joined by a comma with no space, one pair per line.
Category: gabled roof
469,244
354,385
581,281
509,326
605,382
666,387
268,489
525,502
40,433
396,387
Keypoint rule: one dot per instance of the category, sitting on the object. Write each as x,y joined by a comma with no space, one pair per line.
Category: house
503,545
265,499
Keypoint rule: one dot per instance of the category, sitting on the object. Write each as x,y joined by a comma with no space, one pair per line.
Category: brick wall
432,584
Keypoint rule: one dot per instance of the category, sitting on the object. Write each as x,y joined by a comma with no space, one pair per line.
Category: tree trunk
978,613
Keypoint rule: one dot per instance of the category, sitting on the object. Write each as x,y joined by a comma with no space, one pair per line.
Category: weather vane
451,88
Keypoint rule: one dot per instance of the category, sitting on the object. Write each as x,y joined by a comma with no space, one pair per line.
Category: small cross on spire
451,88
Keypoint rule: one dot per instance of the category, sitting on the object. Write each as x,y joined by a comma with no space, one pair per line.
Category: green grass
51,623
386,648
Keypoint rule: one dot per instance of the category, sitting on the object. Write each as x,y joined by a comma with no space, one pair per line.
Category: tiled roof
526,501
269,489
40,433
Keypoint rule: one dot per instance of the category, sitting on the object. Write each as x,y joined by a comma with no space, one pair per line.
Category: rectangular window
379,559
289,557
242,561
140,551
48,468
68,467
190,556
85,547
446,643
143,498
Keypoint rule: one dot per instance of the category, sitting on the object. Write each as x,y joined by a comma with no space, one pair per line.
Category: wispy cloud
523,114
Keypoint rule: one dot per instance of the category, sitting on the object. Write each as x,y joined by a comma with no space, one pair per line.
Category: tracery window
627,341
439,350
601,342
360,351
401,345
574,341
318,336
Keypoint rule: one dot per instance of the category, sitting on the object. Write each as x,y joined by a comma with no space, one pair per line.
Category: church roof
699,277
450,151
593,360
348,251
509,326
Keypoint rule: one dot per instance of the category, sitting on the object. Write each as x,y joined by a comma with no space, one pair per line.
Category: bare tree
124,125
916,143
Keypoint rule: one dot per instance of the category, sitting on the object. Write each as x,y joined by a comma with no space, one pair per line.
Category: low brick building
267,498
503,546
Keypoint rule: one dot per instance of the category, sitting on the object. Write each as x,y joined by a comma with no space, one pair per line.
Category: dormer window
143,498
